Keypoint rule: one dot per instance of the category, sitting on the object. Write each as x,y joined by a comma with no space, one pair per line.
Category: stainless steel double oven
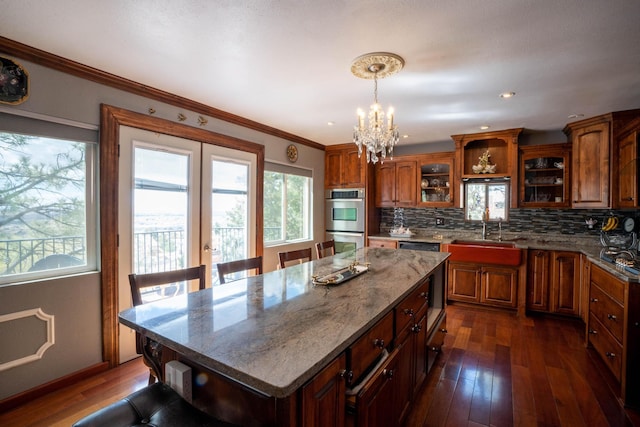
345,213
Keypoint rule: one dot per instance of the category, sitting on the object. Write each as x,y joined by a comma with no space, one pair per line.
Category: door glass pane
229,214
160,215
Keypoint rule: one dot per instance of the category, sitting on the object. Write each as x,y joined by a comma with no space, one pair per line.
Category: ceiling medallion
376,137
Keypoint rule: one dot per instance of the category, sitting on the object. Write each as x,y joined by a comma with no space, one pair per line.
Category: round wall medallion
14,82
292,153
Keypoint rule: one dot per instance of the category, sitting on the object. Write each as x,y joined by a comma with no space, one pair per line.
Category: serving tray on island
341,276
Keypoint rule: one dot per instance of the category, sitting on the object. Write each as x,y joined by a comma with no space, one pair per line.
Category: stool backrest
300,254
225,268
138,282
328,247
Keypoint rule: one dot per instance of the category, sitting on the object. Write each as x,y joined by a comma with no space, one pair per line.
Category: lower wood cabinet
614,329
482,284
382,243
323,398
553,282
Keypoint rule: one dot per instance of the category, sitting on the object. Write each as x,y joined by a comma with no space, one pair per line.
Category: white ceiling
286,64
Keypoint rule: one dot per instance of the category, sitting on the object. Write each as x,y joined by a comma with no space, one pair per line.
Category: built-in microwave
345,210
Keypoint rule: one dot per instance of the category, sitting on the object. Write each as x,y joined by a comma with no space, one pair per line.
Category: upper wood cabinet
436,179
396,183
503,149
627,195
603,166
544,175
343,168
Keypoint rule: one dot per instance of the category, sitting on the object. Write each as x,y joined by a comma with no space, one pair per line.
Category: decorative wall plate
14,82
292,153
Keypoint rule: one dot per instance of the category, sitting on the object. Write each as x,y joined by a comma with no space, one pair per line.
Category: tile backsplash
551,221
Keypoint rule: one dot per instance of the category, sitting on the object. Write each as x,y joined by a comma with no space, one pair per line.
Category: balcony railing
153,251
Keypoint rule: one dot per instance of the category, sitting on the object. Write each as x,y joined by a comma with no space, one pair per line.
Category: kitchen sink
484,252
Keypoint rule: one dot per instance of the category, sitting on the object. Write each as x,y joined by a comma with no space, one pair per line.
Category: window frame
307,220
487,184
68,132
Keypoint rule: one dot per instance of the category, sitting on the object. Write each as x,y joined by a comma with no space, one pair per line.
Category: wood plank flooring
495,370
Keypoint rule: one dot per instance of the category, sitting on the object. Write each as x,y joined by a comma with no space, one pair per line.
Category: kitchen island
255,345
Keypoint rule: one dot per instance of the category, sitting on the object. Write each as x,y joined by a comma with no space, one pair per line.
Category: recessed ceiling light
575,116
507,94
485,127
330,123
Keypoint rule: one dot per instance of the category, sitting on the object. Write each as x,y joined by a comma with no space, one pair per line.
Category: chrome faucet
499,229
484,230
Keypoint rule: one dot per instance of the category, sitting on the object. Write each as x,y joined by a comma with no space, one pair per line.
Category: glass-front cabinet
436,187
544,175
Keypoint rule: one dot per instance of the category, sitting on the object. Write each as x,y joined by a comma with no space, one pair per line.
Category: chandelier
374,136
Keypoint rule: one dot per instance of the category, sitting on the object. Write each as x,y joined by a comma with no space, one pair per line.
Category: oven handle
345,233
338,199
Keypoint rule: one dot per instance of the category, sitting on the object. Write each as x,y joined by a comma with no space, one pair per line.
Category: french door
181,203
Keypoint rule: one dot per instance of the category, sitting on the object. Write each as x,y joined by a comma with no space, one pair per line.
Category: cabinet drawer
383,243
411,309
609,312
609,284
364,352
605,344
435,343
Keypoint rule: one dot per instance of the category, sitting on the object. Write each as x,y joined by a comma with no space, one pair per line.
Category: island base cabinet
375,404
323,399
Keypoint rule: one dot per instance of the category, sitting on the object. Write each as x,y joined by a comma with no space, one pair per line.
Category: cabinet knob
409,312
347,375
610,355
444,330
594,299
416,328
378,343
388,373
424,295
612,317
628,199
593,331
435,349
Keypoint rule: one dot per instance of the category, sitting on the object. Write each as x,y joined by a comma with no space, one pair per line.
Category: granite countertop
275,331
589,246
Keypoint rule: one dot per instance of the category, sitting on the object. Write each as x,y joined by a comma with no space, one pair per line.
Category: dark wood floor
495,370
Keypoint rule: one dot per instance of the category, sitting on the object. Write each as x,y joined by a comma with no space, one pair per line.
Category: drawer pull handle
424,295
378,343
593,331
435,349
612,317
416,328
388,373
409,312
444,330
594,299
610,355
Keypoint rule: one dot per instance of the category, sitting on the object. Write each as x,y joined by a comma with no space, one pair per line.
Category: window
480,196
287,204
47,214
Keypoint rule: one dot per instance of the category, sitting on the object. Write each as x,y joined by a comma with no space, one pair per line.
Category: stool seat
155,405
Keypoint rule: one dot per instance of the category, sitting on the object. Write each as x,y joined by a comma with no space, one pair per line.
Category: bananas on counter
610,223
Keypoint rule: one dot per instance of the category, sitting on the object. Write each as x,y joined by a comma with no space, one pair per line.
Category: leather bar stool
155,405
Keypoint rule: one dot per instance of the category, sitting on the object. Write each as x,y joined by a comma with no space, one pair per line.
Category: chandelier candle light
374,137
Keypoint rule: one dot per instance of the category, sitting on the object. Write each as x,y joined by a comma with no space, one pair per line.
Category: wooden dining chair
328,248
297,255
177,278
225,268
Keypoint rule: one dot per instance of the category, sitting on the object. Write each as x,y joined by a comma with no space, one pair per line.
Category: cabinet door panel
406,184
464,282
565,282
385,185
353,169
591,166
323,399
538,281
628,171
499,286
332,169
